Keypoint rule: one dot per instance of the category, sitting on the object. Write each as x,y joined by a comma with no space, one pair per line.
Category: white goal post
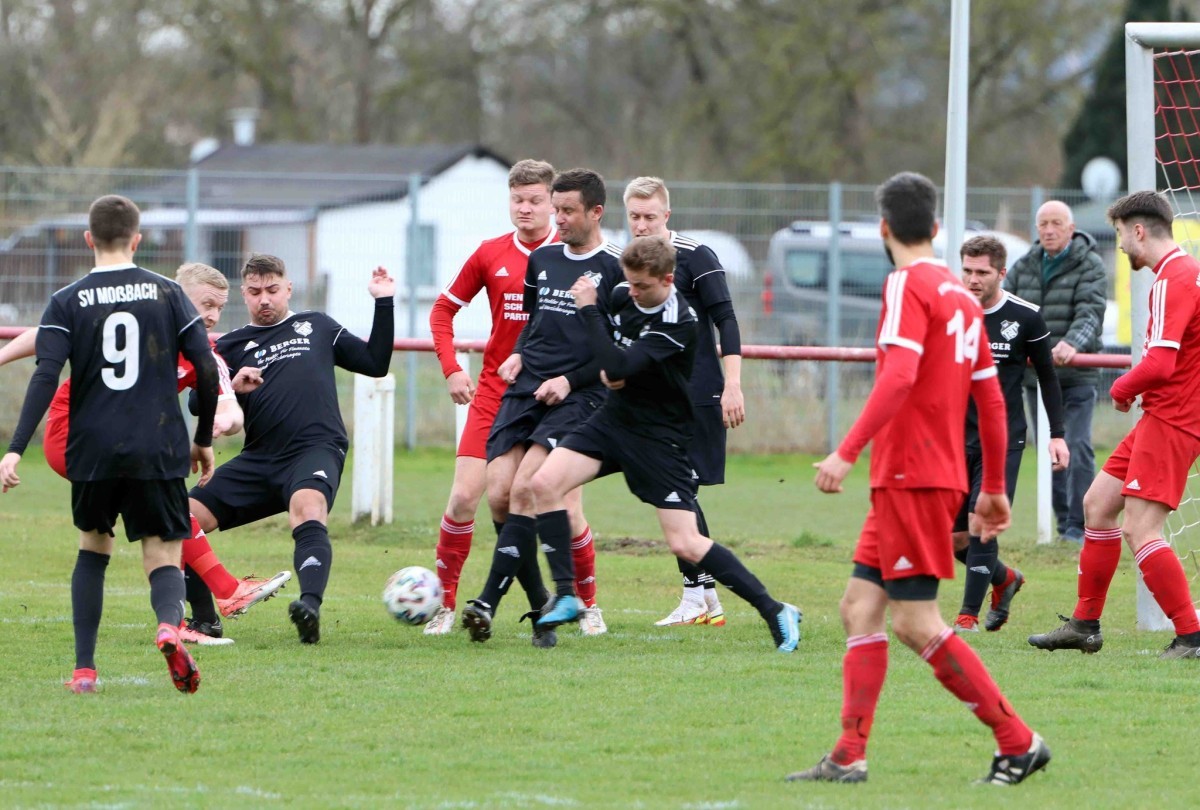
1145,172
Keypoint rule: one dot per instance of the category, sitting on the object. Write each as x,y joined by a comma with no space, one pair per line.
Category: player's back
1175,323
124,326
928,310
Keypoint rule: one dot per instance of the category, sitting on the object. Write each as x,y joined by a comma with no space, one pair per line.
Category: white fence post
374,448
1045,475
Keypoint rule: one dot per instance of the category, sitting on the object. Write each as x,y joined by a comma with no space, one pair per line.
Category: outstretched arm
372,356
23,345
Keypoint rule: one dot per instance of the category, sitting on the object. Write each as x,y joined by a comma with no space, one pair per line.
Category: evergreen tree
1099,128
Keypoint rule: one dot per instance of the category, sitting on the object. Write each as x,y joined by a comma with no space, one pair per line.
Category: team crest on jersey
593,277
1009,329
303,328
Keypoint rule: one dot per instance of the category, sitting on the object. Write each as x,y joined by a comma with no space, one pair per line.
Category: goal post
1162,104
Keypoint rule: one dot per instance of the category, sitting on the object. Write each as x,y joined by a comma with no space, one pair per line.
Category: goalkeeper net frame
1162,103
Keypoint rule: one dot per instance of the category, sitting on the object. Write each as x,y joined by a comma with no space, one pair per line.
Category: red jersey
60,406
497,265
928,310
1175,323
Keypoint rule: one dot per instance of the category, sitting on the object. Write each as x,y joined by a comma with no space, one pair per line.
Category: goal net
1163,67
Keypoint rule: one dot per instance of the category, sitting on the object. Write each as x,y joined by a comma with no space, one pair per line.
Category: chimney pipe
244,121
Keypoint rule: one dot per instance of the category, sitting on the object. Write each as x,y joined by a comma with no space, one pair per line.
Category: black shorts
1012,468
250,487
656,469
522,420
148,508
707,448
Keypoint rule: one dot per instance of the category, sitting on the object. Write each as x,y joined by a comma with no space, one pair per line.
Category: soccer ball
412,594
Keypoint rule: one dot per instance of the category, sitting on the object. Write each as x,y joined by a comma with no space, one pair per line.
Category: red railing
750,352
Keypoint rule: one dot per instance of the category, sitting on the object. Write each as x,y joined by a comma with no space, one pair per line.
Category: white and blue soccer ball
413,594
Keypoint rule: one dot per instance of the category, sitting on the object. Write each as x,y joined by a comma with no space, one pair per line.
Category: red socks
1164,576
863,670
1098,561
454,544
199,555
959,669
583,553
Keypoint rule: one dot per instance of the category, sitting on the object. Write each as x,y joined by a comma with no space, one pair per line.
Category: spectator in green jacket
1064,275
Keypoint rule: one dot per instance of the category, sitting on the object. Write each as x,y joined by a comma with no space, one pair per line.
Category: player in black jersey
554,385
716,397
645,343
1017,334
295,439
122,328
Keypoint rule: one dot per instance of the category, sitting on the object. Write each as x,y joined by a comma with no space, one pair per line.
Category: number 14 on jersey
966,338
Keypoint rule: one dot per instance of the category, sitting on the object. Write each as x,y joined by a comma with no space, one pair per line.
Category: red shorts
54,443
481,413
907,533
1154,461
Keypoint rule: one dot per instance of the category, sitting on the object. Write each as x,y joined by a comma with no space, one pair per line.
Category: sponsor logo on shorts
548,548
303,328
673,498
321,473
1134,485
902,564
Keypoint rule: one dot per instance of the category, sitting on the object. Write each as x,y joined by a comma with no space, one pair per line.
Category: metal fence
332,229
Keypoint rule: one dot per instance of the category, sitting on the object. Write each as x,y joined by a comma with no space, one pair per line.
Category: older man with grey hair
1063,274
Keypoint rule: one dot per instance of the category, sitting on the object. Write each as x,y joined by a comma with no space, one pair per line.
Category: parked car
796,293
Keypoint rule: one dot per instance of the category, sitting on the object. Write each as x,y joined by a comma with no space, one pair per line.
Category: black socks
312,558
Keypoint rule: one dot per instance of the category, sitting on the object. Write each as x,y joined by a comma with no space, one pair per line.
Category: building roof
293,175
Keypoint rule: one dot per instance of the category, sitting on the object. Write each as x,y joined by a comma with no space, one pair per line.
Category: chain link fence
333,229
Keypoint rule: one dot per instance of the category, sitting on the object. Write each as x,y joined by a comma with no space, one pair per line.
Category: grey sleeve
1091,296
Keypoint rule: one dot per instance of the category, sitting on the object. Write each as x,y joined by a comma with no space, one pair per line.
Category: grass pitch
648,717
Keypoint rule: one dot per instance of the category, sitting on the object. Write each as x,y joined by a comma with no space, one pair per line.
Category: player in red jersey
497,266
208,290
1146,475
932,355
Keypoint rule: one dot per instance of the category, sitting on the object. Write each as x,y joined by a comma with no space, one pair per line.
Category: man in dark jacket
1064,275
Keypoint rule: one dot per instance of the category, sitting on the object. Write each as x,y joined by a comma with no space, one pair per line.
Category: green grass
643,717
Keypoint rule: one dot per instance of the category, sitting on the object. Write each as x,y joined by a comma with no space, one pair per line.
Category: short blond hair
530,172
193,274
646,187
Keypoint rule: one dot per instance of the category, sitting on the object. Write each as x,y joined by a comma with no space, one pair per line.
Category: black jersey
1017,334
296,407
653,351
123,328
554,341
701,279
